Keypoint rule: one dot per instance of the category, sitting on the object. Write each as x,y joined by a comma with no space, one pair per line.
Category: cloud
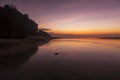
45,29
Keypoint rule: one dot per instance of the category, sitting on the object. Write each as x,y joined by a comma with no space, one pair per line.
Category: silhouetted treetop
14,24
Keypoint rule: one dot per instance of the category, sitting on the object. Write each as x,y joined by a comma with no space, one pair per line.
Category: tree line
14,24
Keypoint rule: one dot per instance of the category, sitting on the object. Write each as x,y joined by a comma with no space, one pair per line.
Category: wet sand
16,46
66,59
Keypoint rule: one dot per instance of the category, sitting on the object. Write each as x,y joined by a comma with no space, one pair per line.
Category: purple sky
72,16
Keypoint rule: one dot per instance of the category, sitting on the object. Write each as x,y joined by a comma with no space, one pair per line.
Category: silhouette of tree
43,34
14,24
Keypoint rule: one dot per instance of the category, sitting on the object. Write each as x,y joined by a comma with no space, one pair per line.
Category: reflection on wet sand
10,64
66,59
14,61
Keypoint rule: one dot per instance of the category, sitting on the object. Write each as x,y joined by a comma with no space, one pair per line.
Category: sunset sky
73,17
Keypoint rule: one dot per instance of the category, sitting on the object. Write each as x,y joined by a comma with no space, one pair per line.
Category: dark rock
56,53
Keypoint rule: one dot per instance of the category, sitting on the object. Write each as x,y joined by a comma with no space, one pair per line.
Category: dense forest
14,24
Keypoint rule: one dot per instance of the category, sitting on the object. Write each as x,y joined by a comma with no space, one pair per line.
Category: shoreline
9,47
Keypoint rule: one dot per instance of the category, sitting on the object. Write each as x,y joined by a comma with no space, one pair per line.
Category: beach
16,46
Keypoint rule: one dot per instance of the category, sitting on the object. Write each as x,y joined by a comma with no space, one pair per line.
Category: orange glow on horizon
98,32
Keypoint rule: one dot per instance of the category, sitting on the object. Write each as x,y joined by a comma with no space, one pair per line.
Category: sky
73,17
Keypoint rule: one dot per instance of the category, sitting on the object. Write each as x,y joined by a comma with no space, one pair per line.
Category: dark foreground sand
16,46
